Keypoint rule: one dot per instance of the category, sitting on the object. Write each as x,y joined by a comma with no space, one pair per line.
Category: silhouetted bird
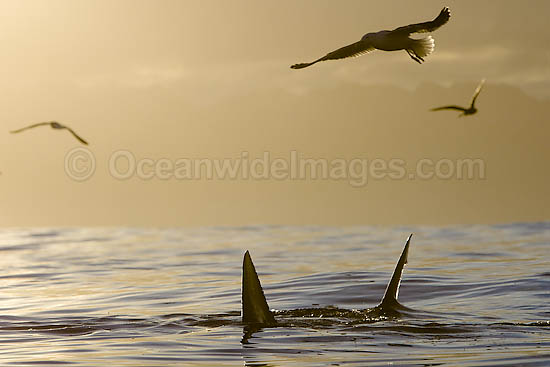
54,125
398,39
465,111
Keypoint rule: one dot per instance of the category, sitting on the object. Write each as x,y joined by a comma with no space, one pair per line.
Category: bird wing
476,93
76,136
425,27
29,127
452,107
355,49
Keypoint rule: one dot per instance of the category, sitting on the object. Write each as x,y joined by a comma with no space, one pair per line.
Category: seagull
398,39
465,111
53,125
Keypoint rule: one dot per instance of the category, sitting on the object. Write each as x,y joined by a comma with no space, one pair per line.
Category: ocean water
171,297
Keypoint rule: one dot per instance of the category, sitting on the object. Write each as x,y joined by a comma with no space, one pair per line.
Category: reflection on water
130,297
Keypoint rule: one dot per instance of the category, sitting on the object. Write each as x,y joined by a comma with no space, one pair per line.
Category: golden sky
178,81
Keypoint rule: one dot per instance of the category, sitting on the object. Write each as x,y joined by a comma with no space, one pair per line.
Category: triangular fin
255,309
392,291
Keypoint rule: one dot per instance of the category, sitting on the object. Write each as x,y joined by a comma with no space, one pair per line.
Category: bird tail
424,46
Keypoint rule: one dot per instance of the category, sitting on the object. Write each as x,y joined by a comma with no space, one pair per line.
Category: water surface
151,297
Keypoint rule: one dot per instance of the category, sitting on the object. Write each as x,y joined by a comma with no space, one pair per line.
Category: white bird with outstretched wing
397,39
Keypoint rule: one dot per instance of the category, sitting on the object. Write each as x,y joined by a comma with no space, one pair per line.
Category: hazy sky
211,80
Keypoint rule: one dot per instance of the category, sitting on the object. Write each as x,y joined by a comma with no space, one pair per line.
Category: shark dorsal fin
392,291
255,308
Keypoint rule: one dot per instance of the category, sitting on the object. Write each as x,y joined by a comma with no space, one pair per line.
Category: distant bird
465,111
54,125
398,39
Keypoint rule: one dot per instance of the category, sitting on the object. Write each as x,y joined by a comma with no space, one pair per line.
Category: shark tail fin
392,291
255,309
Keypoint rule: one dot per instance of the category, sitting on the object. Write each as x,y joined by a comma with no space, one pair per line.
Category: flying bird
53,125
465,111
398,39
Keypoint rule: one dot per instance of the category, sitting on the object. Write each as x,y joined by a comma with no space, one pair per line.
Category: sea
477,295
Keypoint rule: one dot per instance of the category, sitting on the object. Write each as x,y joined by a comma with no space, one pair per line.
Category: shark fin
255,308
392,291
